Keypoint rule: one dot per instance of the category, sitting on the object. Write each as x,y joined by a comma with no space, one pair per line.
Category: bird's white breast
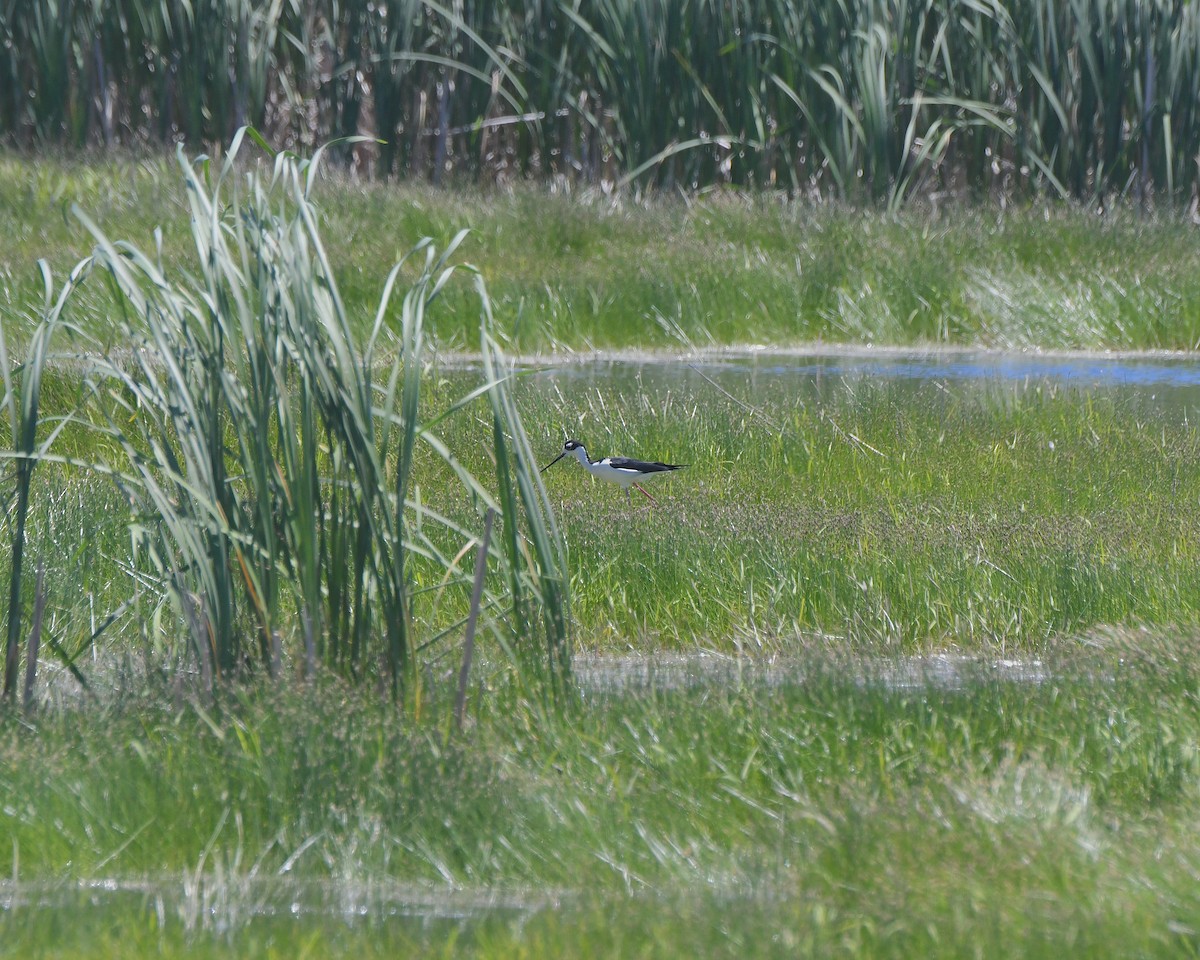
606,471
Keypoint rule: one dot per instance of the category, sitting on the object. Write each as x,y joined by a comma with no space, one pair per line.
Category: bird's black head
569,447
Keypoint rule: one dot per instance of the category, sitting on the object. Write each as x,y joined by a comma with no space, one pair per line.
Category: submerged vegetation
874,100
834,511
918,516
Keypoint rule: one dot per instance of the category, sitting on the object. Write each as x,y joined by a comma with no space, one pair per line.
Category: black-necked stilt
620,470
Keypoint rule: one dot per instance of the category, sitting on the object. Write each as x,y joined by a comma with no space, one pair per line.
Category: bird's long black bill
554,461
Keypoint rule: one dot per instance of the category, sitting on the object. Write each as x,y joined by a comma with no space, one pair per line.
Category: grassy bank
822,811
579,271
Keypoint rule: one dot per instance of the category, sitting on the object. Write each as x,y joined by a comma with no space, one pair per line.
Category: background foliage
863,100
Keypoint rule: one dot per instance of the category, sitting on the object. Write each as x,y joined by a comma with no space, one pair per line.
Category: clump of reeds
268,451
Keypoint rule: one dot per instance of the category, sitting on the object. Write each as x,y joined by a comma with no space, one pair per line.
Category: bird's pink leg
643,489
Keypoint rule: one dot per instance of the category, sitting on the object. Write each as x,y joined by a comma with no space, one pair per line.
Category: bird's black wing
643,466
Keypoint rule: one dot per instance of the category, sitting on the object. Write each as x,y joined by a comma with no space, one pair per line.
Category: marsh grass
828,810
32,435
581,271
841,513
886,516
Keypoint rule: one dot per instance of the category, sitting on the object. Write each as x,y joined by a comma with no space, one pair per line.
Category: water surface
1171,381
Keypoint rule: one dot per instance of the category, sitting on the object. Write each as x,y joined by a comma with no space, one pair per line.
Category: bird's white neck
581,456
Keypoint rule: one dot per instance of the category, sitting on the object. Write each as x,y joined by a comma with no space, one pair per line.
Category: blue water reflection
1172,381
1082,371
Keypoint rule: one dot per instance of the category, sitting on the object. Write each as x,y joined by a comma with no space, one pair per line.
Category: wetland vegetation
874,101
831,790
581,270
821,811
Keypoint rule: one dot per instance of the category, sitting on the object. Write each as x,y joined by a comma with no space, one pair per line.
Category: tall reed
870,100
539,586
270,464
31,438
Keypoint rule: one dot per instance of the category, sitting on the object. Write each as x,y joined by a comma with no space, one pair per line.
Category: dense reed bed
874,100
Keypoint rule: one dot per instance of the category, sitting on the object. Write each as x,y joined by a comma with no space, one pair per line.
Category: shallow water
612,674
225,903
221,902
1169,381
